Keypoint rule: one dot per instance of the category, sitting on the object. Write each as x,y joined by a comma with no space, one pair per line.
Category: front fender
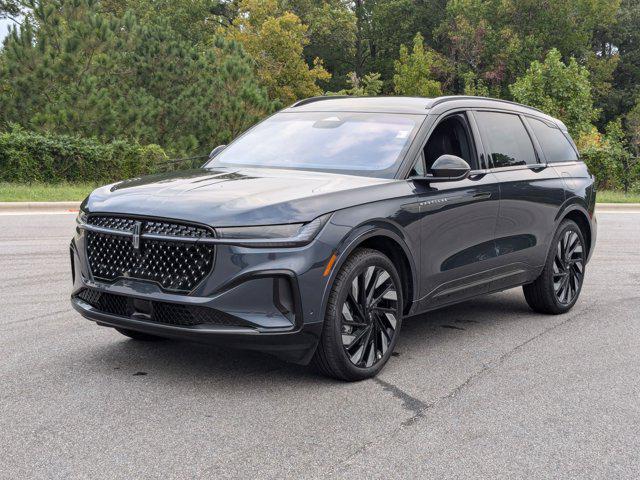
356,237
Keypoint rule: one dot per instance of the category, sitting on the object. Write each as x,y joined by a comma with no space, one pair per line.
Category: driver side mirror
448,168
216,151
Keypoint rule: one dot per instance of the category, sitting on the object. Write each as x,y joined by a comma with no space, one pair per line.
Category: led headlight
287,235
81,219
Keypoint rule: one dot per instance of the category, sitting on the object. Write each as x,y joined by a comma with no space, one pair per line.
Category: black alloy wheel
557,288
568,267
369,316
363,317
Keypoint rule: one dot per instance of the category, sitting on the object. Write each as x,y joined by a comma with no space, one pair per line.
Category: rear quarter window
554,143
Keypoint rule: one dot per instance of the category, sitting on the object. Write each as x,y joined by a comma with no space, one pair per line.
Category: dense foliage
33,157
562,91
72,69
190,74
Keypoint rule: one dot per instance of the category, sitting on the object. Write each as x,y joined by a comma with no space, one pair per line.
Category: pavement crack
409,402
500,360
419,407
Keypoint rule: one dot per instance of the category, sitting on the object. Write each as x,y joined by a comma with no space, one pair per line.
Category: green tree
620,155
331,33
479,45
275,41
474,85
633,127
567,25
368,86
388,24
560,90
498,39
620,41
72,69
192,20
414,71
10,9
608,157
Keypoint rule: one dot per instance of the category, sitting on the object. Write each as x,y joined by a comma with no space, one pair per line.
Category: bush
33,157
609,158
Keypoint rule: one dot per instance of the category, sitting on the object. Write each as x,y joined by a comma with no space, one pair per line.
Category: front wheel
363,318
557,288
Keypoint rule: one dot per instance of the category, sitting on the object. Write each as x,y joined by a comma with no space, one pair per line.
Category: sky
4,27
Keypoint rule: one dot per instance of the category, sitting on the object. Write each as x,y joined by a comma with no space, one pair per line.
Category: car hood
234,197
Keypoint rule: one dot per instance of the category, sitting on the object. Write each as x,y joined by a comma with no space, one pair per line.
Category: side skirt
515,277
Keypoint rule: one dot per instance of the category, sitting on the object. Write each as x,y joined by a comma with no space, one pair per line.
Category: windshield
368,144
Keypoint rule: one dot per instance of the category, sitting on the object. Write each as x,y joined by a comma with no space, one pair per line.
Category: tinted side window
418,169
508,141
554,144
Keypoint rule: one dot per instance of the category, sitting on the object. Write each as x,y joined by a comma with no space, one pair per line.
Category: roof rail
307,101
440,100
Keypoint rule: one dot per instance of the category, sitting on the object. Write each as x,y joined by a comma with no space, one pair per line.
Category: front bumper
275,296
295,346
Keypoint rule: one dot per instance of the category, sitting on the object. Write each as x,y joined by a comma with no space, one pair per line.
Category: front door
458,218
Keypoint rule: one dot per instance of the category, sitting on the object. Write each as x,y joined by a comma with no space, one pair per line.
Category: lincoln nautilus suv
313,234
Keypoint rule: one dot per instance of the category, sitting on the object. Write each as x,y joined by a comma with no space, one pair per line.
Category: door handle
482,196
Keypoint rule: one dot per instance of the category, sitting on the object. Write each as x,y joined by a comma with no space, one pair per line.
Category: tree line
187,75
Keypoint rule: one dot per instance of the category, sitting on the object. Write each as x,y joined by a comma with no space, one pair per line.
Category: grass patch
42,192
608,196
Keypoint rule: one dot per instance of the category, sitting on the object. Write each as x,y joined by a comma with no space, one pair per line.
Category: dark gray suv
317,231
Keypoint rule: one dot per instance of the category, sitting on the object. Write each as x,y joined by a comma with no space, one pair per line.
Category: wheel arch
581,218
389,247
389,243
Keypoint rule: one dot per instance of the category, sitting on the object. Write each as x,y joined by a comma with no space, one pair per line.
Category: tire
361,325
140,336
558,287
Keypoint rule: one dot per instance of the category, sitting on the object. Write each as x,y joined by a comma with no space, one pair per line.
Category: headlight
289,235
81,219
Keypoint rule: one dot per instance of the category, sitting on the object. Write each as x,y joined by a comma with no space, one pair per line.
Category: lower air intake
158,312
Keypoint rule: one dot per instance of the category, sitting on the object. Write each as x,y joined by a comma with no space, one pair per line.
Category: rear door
531,194
561,154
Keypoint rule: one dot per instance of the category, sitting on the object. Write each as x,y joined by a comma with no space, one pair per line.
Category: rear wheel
363,318
145,337
557,288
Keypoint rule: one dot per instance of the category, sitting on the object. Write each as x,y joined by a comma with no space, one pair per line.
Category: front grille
122,224
158,312
176,266
157,227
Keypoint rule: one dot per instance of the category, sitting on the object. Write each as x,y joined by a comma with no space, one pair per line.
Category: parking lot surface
485,389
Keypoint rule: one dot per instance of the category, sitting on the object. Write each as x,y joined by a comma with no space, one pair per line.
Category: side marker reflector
332,260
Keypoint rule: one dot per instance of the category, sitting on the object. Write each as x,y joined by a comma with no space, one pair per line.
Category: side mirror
448,168
216,151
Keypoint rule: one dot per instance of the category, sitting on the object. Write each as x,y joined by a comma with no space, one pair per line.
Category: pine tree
74,69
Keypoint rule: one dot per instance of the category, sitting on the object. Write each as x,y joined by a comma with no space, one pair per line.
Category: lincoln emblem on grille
136,236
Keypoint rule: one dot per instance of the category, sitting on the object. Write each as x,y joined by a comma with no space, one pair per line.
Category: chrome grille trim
149,236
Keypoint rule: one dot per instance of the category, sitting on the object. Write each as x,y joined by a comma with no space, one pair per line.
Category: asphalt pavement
485,389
